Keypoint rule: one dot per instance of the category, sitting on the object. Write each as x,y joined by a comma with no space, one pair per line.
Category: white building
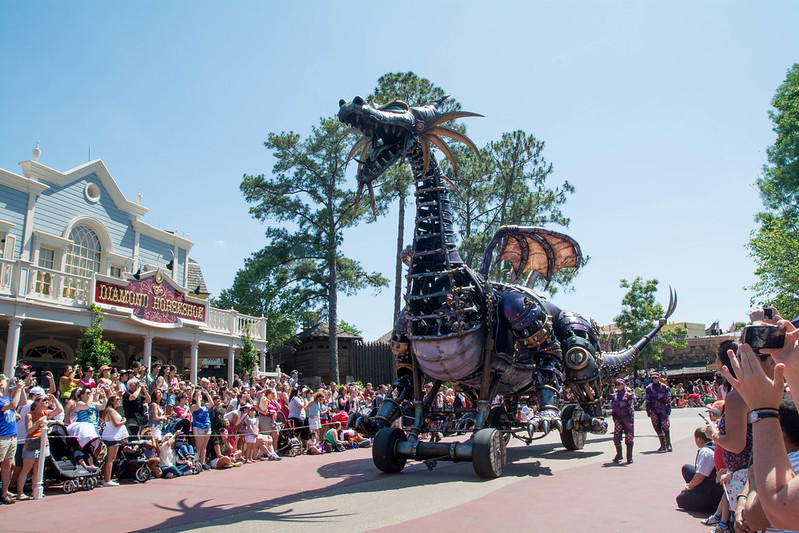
71,239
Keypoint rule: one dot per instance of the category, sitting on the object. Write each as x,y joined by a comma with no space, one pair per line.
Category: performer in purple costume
658,408
622,406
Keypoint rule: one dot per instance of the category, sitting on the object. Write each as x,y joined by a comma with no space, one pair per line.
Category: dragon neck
434,241
434,257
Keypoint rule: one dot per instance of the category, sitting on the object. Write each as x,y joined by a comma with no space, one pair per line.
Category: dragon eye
397,106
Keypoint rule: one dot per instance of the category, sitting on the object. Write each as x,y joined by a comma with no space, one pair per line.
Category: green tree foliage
346,326
676,338
775,243
509,182
304,195
92,349
269,286
639,314
396,182
248,357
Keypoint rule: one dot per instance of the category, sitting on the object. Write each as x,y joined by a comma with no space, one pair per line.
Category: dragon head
388,132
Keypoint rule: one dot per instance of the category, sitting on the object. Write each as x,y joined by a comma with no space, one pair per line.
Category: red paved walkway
545,488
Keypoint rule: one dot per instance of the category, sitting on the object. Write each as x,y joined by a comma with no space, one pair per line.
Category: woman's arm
111,415
51,387
777,485
735,413
58,409
30,425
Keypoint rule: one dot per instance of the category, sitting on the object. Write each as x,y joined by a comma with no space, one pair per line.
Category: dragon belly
449,357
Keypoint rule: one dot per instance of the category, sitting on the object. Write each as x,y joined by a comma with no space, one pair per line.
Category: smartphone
764,336
703,416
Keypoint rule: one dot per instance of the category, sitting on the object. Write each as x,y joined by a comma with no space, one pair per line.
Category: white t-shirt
295,408
22,430
704,461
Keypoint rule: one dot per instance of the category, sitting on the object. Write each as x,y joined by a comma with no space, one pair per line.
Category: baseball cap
36,391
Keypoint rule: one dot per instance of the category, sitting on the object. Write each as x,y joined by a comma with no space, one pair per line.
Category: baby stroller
61,467
132,461
185,452
288,444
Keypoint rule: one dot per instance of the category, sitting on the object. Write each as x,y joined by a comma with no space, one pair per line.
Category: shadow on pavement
358,478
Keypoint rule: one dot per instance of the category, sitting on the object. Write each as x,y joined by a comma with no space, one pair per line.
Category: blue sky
656,112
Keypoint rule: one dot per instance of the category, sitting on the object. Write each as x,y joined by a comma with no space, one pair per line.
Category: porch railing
21,279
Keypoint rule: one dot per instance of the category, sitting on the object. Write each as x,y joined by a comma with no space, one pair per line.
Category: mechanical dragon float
486,338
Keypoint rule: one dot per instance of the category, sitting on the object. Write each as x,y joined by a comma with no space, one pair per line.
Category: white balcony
24,281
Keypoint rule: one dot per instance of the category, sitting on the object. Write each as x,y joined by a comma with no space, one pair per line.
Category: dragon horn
615,364
446,117
441,145
447,132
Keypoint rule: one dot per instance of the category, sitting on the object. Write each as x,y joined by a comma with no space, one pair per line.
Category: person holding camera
774,472
298,405
8,432
734,435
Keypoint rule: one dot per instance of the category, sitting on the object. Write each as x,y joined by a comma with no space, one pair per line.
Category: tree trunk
332,320
398,268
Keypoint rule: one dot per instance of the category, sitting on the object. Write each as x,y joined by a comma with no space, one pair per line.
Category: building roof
320,330
387,337
195,281
688,369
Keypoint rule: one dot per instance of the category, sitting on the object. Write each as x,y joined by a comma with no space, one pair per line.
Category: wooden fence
373,362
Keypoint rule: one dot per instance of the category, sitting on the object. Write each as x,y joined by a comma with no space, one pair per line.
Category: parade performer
622,405
658,409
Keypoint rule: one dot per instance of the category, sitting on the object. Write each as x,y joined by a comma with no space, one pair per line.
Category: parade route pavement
544,488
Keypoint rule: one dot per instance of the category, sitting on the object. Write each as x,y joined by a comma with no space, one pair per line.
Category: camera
768,312
765,336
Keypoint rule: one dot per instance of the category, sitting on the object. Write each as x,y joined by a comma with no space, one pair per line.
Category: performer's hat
654,375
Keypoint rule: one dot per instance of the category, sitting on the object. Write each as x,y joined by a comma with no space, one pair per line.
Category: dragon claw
545,421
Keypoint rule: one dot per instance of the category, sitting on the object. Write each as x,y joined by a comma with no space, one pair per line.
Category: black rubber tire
488,453
571,438
383,454
142,474
70,486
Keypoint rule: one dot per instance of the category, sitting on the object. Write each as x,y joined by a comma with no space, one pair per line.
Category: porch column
148,352
194,349
12,345
262,356
231,359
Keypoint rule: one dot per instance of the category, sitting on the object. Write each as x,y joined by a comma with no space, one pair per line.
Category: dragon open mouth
388,132
384,129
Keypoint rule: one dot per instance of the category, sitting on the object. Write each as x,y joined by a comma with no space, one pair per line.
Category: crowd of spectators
181,428
745,470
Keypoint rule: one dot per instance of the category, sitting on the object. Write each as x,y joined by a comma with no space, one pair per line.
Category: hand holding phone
763,336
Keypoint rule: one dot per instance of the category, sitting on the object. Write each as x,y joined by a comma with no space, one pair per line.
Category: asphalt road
544,487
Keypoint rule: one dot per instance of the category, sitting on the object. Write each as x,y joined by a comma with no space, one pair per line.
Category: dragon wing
534,250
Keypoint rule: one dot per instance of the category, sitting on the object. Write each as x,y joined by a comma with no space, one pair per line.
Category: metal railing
22,279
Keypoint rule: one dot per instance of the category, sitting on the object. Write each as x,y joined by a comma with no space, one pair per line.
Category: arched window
47,350
83,256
